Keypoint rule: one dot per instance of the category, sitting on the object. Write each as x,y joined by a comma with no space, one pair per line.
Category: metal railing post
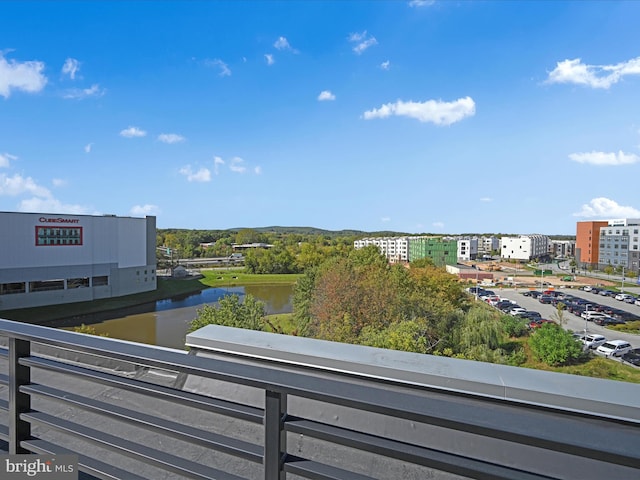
275,439
19,403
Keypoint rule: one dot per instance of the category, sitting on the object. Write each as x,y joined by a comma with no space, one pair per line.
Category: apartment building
524,247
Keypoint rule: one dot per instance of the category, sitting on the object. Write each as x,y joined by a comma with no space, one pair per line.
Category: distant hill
320,231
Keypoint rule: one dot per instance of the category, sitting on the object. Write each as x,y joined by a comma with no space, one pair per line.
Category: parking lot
573,322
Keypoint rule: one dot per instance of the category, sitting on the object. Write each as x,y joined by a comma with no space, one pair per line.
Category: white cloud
363,40
434,111
25,76
421,3
486,199
594,76
257,170
144,210
17,185
283,44
385,219
217,161
170,138
6,158
59,182
202,175
438,224
385,65
269,58
605,208
81,93
225,71
605,158
326,95
51,205
71,67
132,132
237,165
87,147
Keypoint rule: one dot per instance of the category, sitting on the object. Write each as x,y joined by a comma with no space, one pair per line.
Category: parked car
587,288
632,357
538,322
621,297
637,302
607,293
517,310
608,321
630,299
595,290
614,348
545,298
529,314
590,315
593,341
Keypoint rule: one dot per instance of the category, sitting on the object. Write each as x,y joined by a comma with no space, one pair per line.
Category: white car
593,340
591,315
517,310
623,296
614,348
637,302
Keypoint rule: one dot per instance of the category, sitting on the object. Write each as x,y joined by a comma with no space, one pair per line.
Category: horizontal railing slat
179,431
134,450
86,464
4,379
241,412
320,471
426,457
4,432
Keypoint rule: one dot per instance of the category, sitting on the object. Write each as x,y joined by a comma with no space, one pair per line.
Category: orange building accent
588,242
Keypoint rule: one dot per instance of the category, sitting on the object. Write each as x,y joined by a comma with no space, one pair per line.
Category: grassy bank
233,278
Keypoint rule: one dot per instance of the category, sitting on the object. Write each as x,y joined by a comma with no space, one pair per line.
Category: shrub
554,346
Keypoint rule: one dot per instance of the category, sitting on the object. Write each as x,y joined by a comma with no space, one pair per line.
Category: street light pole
622,287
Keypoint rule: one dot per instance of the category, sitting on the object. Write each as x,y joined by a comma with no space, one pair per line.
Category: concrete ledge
571,392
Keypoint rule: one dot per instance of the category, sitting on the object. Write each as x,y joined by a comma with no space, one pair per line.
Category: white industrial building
49,259
524,247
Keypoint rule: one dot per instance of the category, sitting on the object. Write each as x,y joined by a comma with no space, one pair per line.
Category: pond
165,322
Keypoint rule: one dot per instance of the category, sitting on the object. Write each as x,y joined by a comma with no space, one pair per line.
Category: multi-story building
619,244
486,245
562,248
467,249
588,244
396,249
51,259
442,252
524,247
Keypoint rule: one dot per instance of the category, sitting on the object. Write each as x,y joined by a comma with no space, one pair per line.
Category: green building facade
442,252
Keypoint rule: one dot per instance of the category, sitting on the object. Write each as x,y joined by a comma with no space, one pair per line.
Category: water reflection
165,322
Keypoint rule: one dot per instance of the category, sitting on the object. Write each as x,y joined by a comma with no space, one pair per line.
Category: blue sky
411,116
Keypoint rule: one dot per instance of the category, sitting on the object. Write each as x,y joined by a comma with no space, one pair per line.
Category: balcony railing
132,411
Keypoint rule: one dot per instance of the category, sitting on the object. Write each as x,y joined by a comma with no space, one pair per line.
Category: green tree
559,314
554,346
479,327
231,312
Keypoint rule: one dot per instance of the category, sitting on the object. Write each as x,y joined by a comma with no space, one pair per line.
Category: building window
100,281
77,283
15,287
47,236
46,285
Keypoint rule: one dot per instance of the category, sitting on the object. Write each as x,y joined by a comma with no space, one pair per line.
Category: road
573,322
